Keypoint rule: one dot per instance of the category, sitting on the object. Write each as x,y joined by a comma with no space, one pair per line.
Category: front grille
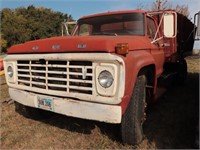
66,76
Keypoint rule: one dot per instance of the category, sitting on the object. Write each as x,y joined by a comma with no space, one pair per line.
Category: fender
134,62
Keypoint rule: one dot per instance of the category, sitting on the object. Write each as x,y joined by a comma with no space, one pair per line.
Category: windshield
118,24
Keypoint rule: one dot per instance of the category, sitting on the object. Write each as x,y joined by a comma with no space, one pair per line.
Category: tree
161,5
3,44
183,9
13,27
164,4
24,24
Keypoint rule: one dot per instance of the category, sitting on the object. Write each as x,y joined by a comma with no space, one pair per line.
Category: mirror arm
154,39
158,39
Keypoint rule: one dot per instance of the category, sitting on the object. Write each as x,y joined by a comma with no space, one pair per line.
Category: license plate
45,103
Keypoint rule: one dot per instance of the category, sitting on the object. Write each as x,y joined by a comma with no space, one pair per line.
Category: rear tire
133,119
182,72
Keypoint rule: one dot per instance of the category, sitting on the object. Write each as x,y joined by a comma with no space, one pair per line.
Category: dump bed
185,28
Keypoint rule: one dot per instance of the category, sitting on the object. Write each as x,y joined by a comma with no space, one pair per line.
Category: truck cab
106,71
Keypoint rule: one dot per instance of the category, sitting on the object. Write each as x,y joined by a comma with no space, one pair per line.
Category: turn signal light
122,48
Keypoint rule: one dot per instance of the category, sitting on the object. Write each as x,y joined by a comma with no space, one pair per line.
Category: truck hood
80,44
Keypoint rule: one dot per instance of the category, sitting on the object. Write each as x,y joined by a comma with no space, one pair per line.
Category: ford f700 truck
107,71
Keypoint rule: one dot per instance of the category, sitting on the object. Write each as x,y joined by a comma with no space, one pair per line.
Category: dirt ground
171,123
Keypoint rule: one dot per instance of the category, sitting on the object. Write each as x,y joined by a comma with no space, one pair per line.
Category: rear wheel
133,119
182,72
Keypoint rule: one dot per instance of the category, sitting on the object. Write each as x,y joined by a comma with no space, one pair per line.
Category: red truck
107,71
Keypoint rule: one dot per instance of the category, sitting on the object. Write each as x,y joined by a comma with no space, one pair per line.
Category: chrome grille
67,76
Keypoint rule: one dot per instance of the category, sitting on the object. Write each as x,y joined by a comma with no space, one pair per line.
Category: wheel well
149,72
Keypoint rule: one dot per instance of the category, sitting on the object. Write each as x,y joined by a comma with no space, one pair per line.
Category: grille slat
60,66
23,75
24,81
79,88
23,70
54,85
69,76
57,79
80,81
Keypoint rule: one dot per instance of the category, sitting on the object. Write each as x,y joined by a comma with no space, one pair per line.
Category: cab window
151,28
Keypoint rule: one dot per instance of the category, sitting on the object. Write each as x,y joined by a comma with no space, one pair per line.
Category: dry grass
171,123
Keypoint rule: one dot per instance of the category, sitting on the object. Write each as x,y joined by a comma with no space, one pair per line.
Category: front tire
133,119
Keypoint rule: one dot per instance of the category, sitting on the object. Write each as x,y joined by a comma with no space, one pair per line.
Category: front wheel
133,119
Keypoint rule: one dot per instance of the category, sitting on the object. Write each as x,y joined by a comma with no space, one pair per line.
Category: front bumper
70,107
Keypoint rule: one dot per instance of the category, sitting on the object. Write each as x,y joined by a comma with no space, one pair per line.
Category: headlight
105,79
10,71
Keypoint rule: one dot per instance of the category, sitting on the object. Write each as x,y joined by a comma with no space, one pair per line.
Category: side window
151,28
84,30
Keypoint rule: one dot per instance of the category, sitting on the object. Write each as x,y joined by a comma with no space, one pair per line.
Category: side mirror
170,25
198,24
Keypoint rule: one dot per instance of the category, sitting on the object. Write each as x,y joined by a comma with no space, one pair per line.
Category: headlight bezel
10,79
113,70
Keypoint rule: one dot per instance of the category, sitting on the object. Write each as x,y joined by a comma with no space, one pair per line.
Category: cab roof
113,13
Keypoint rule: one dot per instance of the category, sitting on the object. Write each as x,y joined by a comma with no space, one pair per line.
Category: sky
79,8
